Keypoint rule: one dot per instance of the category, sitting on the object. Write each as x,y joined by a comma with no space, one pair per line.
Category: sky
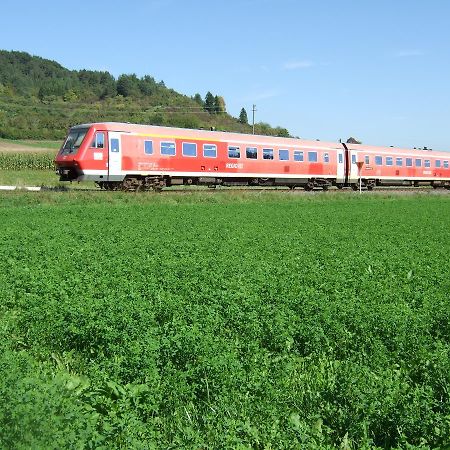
376,70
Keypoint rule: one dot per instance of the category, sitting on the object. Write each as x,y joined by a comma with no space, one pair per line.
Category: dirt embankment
9,147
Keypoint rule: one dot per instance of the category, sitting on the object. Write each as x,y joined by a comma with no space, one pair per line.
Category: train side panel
394,166
193,156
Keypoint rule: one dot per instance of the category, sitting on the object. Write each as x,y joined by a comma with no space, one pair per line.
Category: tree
219,104
209,102
281,132
108,85
147,85
70,96
198,99
128,85
243,117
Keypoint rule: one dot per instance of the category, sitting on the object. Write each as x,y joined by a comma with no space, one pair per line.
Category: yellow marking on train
171,137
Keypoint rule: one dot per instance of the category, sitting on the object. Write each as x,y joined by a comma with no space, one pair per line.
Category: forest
40,99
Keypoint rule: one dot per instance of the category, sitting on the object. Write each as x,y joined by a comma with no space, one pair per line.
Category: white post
360,166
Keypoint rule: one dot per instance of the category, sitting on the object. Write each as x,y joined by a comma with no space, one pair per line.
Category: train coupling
66,174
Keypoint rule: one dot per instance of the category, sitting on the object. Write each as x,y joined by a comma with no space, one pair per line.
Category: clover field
250,321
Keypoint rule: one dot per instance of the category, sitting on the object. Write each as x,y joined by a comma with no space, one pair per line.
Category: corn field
23,161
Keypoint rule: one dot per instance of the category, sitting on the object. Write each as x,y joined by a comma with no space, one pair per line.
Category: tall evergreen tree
209,102
243,117
198,99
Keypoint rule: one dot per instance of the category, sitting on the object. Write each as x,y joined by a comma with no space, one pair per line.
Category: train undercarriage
136,183
155,183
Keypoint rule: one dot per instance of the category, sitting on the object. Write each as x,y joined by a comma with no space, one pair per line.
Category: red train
134,157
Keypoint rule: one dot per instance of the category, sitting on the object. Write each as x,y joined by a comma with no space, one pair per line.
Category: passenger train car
134,157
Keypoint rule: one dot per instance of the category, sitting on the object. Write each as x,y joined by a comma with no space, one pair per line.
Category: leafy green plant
25,160
225,321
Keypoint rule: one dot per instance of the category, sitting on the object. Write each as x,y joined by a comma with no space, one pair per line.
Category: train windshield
74,140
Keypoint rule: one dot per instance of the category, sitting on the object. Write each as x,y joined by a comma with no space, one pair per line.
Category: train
132,157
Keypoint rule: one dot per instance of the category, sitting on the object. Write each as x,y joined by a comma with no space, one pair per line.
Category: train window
366,160
437,163
399,161
168,148
99,140
267,153
148,147
283,155
418,163
234,152
389,161
427,163
298,156
74,140
189,149
251,153
379,160
445,164
326,158
312,156
409,162
353,159
115,146
209,151
341,158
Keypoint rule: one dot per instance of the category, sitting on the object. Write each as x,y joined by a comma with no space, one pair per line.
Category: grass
27,178
232,320
32,178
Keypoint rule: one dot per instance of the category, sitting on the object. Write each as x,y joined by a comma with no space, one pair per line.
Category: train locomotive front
83,155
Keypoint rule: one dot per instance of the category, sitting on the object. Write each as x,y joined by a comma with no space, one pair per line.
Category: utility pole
254,110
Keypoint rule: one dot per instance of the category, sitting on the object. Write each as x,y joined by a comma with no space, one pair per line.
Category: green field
28,178
233,320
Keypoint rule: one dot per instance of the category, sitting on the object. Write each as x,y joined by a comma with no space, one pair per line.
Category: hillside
40,99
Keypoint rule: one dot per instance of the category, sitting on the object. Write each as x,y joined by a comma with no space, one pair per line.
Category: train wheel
127,185
109,186
158,185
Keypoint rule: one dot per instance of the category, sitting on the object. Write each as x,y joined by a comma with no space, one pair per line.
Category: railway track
190,190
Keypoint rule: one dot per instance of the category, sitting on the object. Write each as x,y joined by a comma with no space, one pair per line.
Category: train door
114,157
340,173
353,174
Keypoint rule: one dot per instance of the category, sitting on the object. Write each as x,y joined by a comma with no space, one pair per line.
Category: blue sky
377,70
